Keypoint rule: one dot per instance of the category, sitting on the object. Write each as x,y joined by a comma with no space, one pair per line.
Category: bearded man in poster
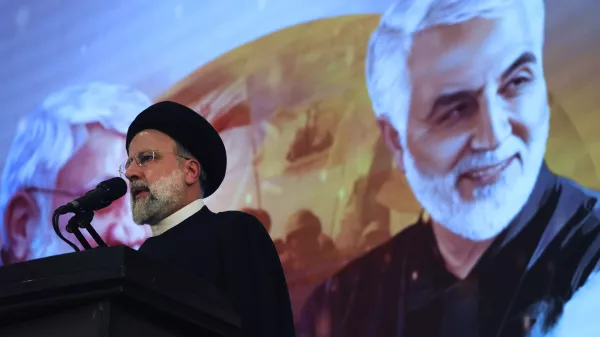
459,93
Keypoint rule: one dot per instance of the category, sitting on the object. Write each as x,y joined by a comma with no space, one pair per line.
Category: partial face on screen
29,213
478,123
158,182
96,161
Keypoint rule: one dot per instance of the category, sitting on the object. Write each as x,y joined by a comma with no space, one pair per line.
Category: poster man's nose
492,125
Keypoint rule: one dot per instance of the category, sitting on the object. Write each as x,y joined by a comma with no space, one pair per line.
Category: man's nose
133,172
492,126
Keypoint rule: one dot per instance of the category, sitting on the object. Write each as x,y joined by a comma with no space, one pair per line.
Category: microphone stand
72,227
83,219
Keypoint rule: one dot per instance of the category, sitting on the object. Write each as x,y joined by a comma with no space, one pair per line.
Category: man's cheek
531,118
440,154
532,107
537,121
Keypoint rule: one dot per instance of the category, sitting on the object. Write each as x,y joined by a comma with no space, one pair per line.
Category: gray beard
164,197
494,207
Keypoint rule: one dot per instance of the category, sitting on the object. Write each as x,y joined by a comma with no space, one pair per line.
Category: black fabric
233,251
403,289
192,131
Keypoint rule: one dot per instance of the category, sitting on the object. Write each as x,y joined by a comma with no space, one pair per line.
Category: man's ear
392,140
20,213
192,173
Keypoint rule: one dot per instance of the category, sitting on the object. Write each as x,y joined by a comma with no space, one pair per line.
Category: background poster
284,83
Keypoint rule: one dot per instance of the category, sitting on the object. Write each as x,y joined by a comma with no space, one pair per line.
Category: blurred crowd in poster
310,139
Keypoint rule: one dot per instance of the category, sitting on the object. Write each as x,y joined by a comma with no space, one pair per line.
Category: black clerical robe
233,251
403,289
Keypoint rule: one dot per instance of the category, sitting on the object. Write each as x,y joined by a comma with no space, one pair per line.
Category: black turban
192,131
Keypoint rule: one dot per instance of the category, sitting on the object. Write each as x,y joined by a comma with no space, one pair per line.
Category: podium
108,292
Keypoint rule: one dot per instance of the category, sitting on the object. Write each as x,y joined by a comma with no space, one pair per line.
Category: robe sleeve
253,278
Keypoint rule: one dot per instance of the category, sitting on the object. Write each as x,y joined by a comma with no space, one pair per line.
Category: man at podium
175,159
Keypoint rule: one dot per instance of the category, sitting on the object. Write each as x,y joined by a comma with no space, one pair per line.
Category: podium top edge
105,267
69,263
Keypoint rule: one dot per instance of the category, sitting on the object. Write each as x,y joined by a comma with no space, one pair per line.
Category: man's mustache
139,186
509,148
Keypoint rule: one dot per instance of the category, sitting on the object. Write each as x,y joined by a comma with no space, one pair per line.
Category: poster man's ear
20,214
392,140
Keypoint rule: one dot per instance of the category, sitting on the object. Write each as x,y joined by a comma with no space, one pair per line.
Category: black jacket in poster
402,289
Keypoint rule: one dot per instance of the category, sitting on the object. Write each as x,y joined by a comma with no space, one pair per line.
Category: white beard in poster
493,206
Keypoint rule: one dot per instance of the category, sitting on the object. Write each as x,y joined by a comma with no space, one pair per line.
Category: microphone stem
73,227
95,235
81,239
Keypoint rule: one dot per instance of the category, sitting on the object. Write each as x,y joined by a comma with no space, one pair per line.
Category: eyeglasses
67,193
144,158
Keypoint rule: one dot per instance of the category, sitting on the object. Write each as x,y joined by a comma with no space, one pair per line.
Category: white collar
177,217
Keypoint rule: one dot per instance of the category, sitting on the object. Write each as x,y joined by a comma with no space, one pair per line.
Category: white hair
580,314
46,139
390,45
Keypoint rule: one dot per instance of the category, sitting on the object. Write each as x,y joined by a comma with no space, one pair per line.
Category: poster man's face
478,123
29,224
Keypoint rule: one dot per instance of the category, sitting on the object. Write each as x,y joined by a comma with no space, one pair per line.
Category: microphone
102,196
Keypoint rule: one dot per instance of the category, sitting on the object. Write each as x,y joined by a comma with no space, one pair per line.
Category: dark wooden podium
109,292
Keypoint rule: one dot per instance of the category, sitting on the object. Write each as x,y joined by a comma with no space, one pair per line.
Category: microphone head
114,187
102,196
